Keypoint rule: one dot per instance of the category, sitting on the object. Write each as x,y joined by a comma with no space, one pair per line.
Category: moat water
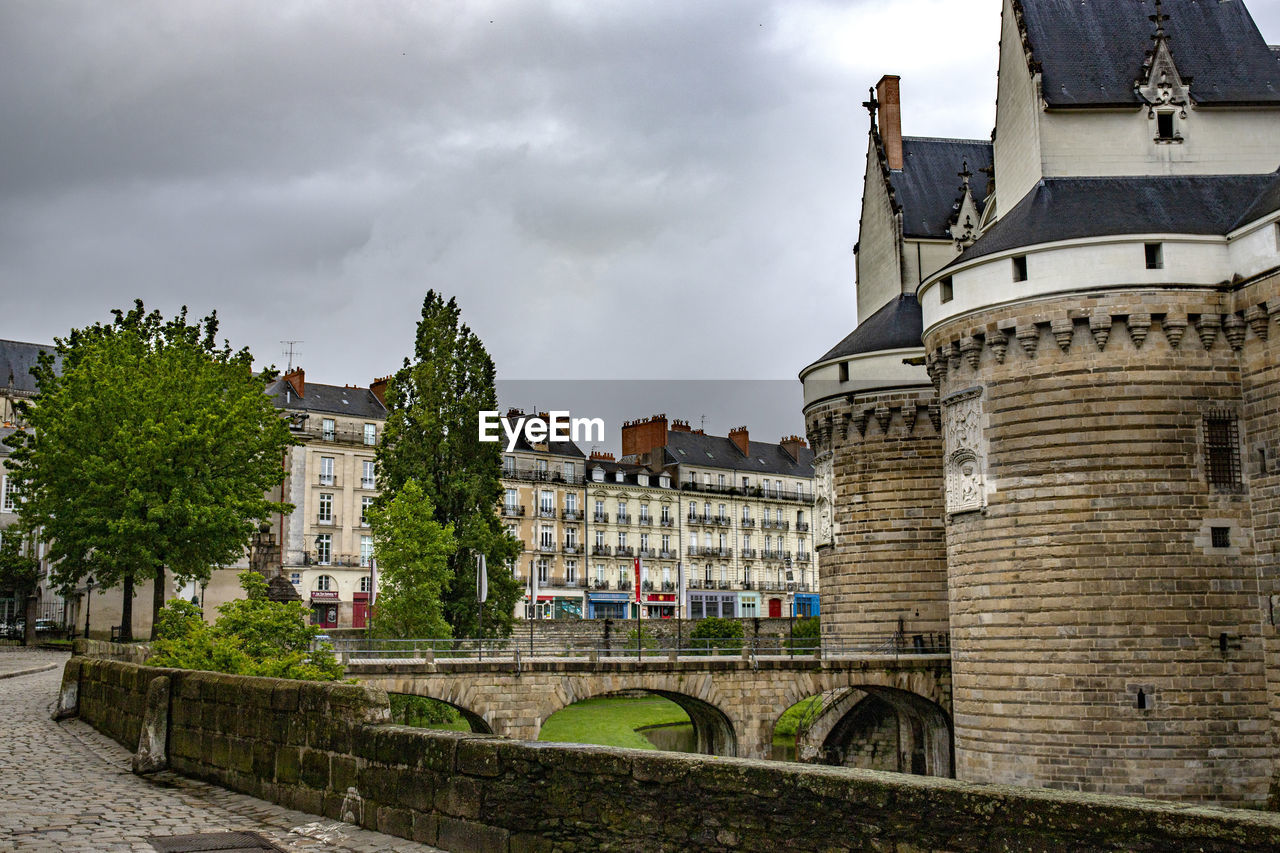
680,737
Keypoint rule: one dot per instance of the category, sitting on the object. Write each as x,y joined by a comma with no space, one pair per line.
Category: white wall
1017,142
879,260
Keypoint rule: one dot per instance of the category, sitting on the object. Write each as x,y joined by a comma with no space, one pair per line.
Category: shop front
324,608
567,607
748,604
608,605
705,605
806,604
660,605
777,607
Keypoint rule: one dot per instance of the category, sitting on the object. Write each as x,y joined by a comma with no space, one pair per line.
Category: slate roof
16,360
928,185
711,451
1075,208
630,474
1092,51
898,325
328,399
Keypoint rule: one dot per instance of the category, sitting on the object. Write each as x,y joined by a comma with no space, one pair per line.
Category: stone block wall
1089,576
886,570
326,748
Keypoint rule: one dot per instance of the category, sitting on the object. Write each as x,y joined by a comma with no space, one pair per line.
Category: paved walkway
66,787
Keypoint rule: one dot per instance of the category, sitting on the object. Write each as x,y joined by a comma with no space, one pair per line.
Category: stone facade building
1068,416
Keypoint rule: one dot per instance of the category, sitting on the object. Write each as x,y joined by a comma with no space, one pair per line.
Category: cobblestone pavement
66,787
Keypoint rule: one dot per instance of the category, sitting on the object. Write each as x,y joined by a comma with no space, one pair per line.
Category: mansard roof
1091,51
714,451
16,360
928,185
328,399
898,325
1077,208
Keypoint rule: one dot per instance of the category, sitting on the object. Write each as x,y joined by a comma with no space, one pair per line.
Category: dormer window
1155,255
1166,128
945,291
1019,267
618,477
597,474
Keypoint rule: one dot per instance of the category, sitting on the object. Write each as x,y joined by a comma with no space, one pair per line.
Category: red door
775,608
359,614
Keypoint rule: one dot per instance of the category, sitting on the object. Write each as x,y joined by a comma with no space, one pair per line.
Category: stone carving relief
965,451
824,501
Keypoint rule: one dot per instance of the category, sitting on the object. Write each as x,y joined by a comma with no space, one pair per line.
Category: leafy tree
252,636
413,552
806,635
432,436
150,451
423,712
19,575
717,633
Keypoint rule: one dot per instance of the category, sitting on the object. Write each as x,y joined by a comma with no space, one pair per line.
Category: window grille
1222,449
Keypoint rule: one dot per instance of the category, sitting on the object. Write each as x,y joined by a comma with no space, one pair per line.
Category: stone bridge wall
326,748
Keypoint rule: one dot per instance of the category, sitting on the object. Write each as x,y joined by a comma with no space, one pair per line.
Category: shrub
717,633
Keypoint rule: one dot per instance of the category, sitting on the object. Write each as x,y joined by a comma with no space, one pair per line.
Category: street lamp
88,602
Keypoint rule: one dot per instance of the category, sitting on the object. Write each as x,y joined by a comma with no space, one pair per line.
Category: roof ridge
986,142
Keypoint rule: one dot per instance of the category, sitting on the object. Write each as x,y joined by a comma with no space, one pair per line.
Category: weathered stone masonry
326,748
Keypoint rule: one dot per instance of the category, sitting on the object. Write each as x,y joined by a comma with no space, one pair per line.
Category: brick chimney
379,389
739,438
641,436
792,445
601,456
680,426
297,379
890,119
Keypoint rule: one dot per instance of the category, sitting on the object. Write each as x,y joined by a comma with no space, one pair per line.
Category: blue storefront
608,605
806,604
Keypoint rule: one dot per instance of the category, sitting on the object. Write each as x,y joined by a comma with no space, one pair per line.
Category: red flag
637,580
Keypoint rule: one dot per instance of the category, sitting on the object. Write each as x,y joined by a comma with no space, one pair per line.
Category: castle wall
1082,566
886,570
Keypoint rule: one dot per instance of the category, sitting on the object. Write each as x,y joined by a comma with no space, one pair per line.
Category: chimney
792,445
602,456
680,426
641,436
890,120
739,438
297,379
379,389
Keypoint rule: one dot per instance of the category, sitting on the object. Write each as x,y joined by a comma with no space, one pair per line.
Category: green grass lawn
611,721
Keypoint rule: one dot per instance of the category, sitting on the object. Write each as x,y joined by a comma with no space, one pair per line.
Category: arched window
325,583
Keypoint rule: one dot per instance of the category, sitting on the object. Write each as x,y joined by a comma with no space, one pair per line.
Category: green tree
19,575
150,451
412,551
432,436
252,636
717,633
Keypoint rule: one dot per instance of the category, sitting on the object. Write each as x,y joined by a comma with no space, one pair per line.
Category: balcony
571,514
694,583
748,553
802,527
722,584
694,551
748,522
601,518
722,521
623,584
351,561
547,547
326,520
623,518
668,586
599,583
572,548
645,521
338,435
536,475
601,550
748,585
647,586
803,557
649,553
667,555
327,480
625,551
692,518
667,522
513,510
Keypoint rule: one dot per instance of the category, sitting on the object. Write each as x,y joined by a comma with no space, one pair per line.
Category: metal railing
515,648
513,510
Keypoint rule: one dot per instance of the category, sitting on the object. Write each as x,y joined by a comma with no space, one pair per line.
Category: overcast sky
641,190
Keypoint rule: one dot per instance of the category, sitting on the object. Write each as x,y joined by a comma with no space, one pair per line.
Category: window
622,538
1164,127
1220,537
508,465
599,572
599,538
366,503
644,541
10,493
571,502
597,474
370,434
1019,267
666,542
324,583
295,578
511,500
324,551
1277,227
1222,450
542,572
945,291
328,430
547,502
600,516
326,509
367,481
1155,255
720,481
644,513
568,472
366,553
571,571
622,511
326,471
844,377
547,537
366,583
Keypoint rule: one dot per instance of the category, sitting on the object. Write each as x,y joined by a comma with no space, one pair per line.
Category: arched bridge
734,703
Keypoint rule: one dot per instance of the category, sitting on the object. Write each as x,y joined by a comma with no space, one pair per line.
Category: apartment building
326,542
631,513
543,505
745,516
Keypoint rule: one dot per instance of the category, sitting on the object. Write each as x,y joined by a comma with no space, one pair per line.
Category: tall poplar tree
432,437
149,453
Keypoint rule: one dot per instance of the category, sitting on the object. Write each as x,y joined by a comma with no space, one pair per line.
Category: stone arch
698,697
479,725
884,728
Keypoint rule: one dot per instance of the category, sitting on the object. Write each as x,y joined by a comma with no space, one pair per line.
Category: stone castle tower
1093,502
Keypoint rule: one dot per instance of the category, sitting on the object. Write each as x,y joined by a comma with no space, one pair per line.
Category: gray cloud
611,189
